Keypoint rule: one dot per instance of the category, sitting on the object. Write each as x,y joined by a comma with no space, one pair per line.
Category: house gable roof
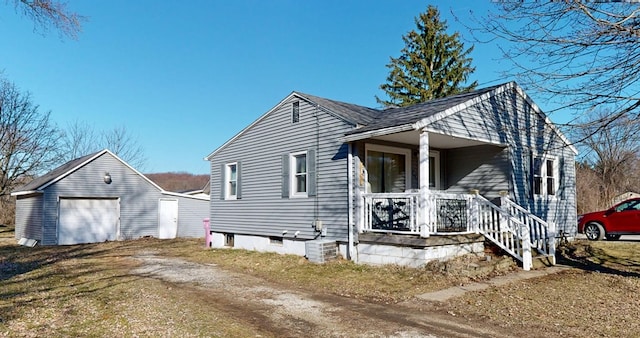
370,122
408,116
350,113
421,115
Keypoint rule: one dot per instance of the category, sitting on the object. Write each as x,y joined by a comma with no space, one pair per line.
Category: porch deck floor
417,241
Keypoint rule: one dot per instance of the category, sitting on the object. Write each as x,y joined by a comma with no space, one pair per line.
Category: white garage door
88,220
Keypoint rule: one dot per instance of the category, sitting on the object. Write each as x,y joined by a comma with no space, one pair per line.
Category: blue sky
185,76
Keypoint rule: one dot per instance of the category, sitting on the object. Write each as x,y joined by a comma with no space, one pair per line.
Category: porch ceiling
435,140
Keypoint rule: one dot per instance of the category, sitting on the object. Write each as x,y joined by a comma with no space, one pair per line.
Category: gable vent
295,112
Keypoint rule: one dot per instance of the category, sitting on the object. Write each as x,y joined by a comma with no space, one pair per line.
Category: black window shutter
223,168
311,172
530,179
562,185
238,180
285,176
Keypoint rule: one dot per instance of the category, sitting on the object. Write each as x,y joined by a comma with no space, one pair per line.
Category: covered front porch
424,183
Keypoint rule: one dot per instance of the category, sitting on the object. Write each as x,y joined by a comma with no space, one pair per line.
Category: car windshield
629,205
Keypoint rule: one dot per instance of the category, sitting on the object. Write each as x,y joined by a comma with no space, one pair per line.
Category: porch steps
538,260
516,230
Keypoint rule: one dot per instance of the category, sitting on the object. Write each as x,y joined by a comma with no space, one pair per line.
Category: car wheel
613,237
594,231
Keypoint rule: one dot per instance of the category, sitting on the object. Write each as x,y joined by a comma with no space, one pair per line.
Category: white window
231,184
545,176
298,165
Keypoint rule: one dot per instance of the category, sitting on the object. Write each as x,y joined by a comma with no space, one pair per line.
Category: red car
621,219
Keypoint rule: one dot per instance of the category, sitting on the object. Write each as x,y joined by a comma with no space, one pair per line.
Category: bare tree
51,13
122,143
611,163
28,139
589,188
80,138
581,54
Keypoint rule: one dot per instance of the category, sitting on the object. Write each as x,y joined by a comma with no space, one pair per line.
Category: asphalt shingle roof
357,115
55,173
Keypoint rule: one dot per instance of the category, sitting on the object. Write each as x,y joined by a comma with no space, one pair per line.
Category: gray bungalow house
99,197
314,176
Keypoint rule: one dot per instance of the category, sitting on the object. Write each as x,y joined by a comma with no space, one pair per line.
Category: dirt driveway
284,312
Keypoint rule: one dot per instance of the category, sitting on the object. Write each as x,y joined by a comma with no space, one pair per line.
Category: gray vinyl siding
191,212
138,197
262,210
508,119
485,168
29,217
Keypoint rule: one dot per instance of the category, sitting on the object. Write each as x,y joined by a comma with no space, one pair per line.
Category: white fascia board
30,192
377,132
177,194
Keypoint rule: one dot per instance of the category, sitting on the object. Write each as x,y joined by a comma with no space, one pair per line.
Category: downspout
350,248
316,202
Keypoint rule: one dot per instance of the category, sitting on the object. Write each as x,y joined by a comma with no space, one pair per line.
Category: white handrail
503,230
541,234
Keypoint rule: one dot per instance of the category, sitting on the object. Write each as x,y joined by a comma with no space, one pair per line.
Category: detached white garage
99,198
88,220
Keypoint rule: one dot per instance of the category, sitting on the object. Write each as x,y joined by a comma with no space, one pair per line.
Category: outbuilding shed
99,197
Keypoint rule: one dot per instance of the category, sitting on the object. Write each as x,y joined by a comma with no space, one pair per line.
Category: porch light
107,178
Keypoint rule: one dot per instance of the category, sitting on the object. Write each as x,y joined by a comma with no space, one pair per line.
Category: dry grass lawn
600,297
88,290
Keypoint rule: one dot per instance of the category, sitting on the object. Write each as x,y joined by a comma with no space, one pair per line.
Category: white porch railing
511,227
398,213
391,212
449,213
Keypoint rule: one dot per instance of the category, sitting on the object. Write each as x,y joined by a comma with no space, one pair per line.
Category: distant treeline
179,181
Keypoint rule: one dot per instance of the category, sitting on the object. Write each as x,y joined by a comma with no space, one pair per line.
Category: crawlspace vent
320,251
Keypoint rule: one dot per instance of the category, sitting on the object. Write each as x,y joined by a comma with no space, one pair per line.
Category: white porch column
424,209
350,227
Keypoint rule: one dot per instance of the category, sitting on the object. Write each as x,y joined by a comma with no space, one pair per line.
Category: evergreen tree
433,64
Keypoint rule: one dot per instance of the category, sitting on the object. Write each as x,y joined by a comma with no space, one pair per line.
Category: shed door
168,219
83,220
